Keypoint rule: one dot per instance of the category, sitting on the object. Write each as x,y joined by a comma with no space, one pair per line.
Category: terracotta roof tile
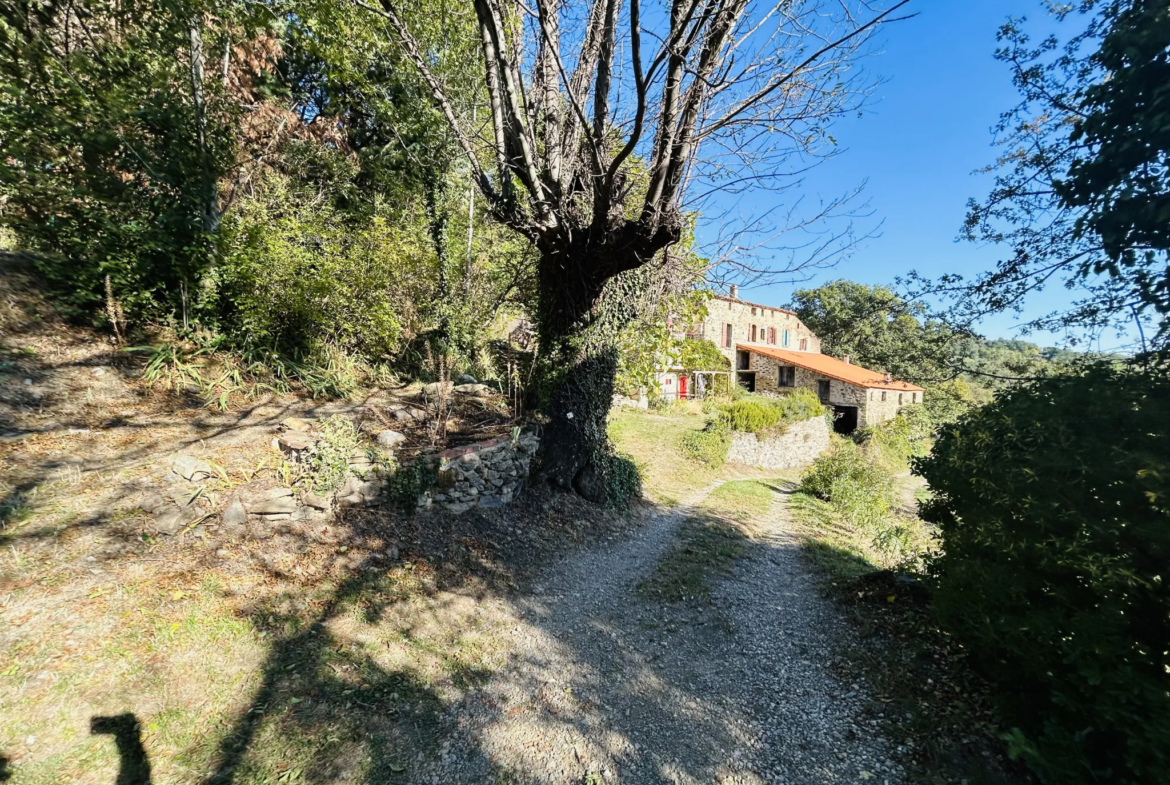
832,367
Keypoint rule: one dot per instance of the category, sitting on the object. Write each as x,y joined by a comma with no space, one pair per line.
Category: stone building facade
731,321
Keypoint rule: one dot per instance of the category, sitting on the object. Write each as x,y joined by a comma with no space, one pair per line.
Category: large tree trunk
577,363
579,319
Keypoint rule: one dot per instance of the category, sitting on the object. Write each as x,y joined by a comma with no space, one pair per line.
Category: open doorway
844,419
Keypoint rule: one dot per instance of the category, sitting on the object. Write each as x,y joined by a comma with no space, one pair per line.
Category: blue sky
926,132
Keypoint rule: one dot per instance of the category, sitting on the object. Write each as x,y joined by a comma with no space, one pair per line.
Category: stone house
858,396
733,322
771,350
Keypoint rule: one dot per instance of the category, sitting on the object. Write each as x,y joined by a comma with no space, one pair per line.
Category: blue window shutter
785,337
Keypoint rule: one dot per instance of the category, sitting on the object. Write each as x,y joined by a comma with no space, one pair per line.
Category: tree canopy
1081,189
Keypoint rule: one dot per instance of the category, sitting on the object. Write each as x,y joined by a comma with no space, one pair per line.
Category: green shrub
329,463
899,440
299,279
846,467
621,476
770,415
1053,503
709,445
408,482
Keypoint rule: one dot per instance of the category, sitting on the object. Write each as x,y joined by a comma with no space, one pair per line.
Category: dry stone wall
797,447
485,474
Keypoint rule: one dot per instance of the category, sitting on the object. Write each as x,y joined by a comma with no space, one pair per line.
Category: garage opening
844,419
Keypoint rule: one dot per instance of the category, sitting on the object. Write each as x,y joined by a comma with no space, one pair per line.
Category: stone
295,441
264,496
469,460
392,552
491,501
297,424
172,521
589,484
473,390
152,502
432,390
283,505
404,415
466,378
369,490
390,439
349,487
235,514
191,468
183,495
472,492
313,500
459,507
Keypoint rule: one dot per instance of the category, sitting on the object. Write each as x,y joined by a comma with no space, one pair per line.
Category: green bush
899,440
764,415
709,445
843,467
329,463
1053,502
296,277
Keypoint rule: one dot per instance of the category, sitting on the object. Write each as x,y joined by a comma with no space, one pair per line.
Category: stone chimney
734,292
845,359
887,377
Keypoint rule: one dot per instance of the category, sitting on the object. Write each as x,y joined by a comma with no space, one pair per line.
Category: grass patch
704,549
656,443
710,541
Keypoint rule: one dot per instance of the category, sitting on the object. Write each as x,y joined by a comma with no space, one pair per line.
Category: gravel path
604,686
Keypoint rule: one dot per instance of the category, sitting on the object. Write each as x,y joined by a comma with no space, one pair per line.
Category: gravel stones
604,685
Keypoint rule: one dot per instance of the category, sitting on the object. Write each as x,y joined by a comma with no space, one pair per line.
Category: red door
682,387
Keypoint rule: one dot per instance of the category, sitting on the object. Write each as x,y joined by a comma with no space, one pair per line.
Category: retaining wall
484,474
797,447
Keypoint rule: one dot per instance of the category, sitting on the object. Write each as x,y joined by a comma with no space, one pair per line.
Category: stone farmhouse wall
797,447
742,316
871,408
485,474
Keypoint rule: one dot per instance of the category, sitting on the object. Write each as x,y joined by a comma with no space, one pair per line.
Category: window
899,399
823,391
753,333
883,396
753,312
727,336
785,337
913,397
803,344
786,376
772,335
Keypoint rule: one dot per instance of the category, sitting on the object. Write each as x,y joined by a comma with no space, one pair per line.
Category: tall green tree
726,95
113,143
1081,194
879,329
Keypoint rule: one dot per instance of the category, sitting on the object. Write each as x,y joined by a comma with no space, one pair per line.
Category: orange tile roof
832,367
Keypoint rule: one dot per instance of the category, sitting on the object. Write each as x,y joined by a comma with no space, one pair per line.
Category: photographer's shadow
127,732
